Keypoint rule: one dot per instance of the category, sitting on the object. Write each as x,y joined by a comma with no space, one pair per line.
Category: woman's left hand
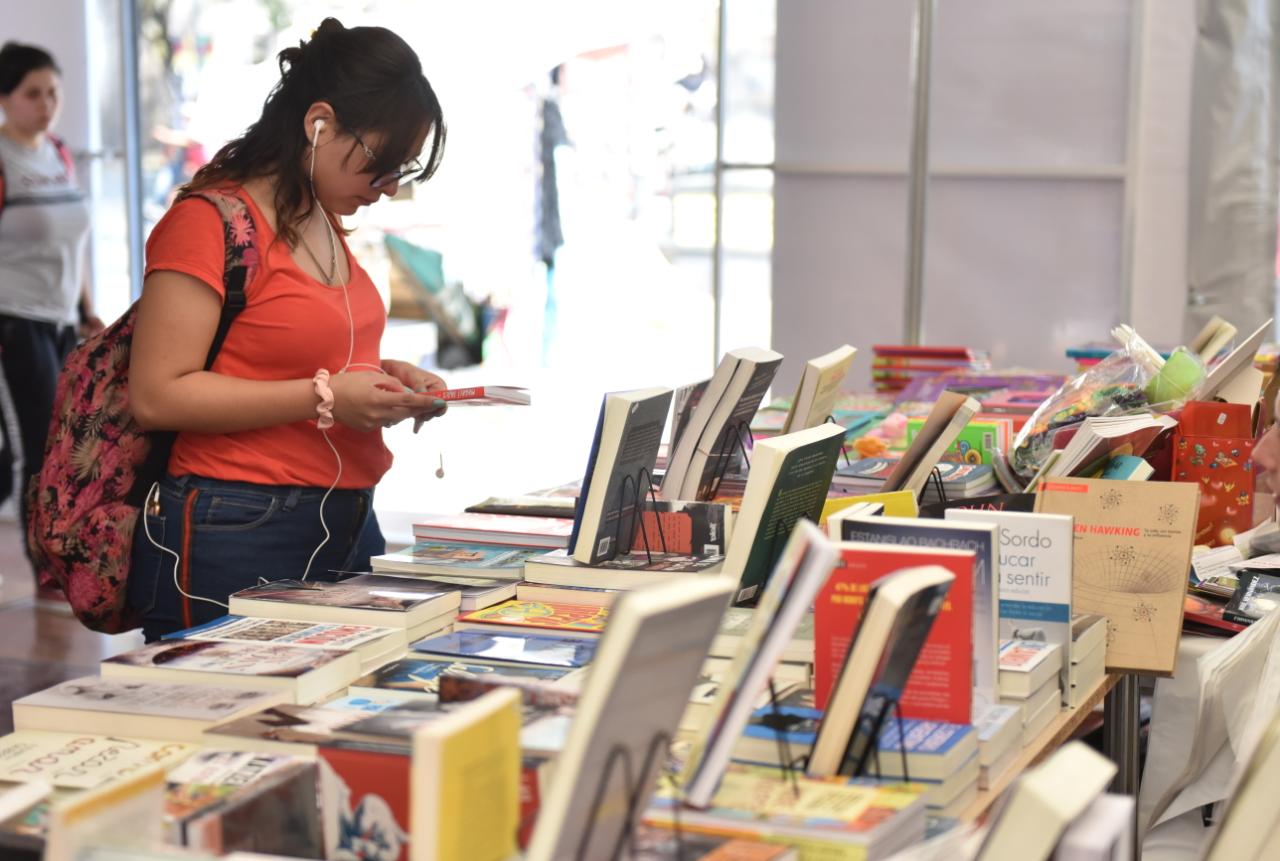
417,380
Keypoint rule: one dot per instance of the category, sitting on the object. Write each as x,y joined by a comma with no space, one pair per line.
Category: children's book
559,618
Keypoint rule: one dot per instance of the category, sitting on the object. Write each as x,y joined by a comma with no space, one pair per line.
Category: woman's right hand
365,400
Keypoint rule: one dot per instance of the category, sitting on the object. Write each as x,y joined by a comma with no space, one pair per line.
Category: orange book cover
539,614
940,687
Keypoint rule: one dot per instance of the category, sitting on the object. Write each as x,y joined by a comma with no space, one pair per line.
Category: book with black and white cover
981,539
373,644
1036,553
623,453
900,609
789,479
153,710
805,563
308,675
720,444
683,402
632,701
366,599
710,440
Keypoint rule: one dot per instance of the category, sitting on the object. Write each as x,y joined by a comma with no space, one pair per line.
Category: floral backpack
99,466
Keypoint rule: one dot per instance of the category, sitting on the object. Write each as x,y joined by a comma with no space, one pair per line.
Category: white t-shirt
44,227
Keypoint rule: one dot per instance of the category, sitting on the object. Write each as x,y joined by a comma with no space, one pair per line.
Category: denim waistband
290,494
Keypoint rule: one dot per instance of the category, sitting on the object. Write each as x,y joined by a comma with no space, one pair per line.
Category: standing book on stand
628,435
899,613
788,481
803,567
947,418
627,715
705,452
818,389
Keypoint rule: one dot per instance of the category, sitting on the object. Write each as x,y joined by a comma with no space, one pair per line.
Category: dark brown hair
18,60
374,82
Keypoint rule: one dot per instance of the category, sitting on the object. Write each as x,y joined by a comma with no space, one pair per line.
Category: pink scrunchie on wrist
324,409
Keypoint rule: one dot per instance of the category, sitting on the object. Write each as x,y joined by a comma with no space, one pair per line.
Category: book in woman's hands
482,396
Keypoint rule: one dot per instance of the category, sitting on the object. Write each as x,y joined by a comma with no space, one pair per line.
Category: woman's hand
365,400
418,380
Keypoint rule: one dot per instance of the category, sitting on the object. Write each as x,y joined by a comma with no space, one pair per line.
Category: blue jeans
224,536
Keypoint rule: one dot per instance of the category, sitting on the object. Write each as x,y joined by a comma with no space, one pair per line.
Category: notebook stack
1029,680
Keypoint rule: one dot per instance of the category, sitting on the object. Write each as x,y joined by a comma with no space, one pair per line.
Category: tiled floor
39,647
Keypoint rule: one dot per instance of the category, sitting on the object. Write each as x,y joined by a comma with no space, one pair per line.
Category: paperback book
559,618
422,676
82,760
431,558
502,649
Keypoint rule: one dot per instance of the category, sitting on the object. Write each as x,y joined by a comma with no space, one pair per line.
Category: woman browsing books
279,441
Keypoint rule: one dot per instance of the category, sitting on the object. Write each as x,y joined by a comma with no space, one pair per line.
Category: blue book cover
187,633
504,648
797,725
924,737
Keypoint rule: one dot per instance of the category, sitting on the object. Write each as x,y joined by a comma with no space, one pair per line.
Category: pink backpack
99,465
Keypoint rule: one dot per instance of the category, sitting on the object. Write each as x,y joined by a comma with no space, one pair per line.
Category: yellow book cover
540,614
465,798
897,503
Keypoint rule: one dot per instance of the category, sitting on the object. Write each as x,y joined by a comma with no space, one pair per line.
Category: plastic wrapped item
1125,382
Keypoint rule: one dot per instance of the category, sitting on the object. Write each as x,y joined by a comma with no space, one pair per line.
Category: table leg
1120,742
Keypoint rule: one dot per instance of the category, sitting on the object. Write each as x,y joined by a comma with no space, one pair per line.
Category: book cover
686,528
818,389
295,730
977,538
444,557
941,685
1131,556
423,676
1023,656
789,479
76,761
625,447
1257,594
1197,610
365,804
189,702
483,396
1224,469
466,781
538,614
364,592
683,403
495,529
285,632
977,442
214,656
528,506
719,444
533,649
1035,576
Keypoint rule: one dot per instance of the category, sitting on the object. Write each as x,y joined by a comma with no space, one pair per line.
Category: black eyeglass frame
410,169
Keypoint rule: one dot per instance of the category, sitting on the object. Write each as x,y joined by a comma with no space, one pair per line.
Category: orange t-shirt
291,326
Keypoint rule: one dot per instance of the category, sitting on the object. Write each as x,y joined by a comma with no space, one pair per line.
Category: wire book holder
844,452
736,435
643,478
633,786
935,478
779,722
871,722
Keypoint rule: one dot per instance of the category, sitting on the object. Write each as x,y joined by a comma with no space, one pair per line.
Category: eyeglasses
408,169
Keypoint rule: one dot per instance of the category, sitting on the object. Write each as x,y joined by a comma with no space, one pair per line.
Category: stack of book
896,365
1088,656
999,743
1029,680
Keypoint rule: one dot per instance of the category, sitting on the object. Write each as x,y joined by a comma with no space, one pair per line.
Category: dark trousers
31,356
211,538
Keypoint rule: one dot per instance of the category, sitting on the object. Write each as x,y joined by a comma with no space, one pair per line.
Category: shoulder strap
64,153
239,263
241,257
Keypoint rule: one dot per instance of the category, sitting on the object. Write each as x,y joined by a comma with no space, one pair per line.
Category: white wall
61,28
1042,200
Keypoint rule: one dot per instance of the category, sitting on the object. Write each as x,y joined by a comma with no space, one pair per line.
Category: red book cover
364,804
941,685
1222,463
1202,611
530,799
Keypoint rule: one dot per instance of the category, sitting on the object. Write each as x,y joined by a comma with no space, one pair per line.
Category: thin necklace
327,275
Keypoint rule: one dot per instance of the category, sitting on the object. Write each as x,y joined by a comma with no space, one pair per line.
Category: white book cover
325,635
73,761
191,702
1035,576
